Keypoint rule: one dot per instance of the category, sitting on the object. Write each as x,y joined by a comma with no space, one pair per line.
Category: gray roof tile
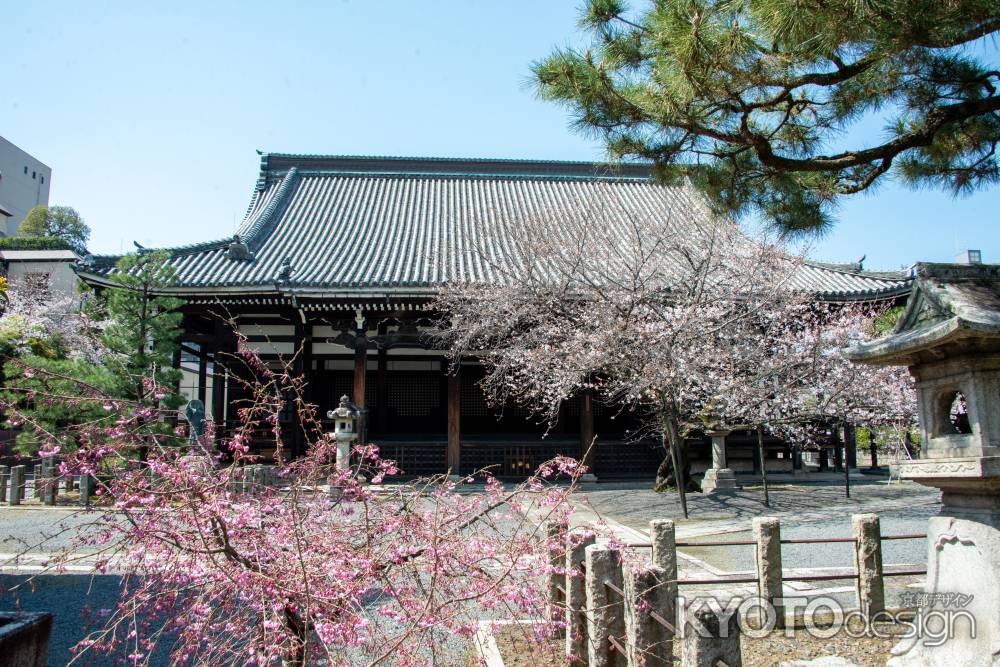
388,224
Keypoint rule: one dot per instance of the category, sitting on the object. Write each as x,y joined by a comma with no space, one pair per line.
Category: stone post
710,639
36,482
50,481
767,534
576,597
605,607
86,489
17,484
868,556
556,532
663,537
718,478
650,643
4,479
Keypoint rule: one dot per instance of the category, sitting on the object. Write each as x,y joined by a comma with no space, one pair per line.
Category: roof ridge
271,163
861,273
254,234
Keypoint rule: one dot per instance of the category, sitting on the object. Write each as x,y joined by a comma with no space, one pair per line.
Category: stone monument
949,336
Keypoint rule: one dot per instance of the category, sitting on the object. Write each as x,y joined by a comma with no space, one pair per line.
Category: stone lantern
949,336
719,478
345,430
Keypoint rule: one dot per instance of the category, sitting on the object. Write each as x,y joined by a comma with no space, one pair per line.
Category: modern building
24,184
335,265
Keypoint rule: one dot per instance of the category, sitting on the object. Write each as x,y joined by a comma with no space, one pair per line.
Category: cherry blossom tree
314,567
638,306
789,376
694,325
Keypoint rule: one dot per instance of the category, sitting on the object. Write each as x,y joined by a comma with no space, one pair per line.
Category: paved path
806,510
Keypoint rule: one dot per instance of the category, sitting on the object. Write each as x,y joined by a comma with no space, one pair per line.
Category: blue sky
149,113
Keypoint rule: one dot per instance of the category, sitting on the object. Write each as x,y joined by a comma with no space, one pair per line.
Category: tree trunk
675,462
296,655
763,466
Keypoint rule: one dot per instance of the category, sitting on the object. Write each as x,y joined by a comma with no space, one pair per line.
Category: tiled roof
341,224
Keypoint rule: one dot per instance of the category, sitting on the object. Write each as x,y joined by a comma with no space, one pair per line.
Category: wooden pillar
382,393
588,447
202,373
824,459
850,446
360,369
455,420
299,366
219,378
838,450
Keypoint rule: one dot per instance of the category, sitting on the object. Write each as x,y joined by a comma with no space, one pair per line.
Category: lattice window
343,385
473,401
414,396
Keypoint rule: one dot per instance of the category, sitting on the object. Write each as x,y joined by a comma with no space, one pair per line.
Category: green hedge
33,243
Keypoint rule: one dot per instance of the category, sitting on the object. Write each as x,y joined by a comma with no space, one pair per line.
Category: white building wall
24,184
61,278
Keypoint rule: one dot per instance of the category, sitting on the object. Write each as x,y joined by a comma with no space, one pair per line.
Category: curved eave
866,295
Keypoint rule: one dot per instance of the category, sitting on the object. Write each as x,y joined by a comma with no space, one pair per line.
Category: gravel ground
518,650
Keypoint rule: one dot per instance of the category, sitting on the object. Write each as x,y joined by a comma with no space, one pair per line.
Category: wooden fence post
576,598
868,560
767,533
650,640
605,607
556,533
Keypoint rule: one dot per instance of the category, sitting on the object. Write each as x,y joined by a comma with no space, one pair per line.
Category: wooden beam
455,420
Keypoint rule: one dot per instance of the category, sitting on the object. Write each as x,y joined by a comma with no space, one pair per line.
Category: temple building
335,265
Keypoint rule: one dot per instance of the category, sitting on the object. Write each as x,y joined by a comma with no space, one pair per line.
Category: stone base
587,477
963,558
719,480
24,638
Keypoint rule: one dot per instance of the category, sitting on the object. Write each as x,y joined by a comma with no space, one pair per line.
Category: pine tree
755,100
143,326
